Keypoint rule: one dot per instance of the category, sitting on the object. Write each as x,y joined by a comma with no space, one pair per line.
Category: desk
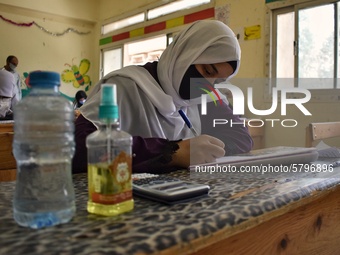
243,214
7,160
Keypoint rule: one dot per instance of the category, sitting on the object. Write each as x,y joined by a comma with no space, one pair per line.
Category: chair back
321,130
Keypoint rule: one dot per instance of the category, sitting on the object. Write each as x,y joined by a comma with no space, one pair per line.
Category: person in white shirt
11,65
7,88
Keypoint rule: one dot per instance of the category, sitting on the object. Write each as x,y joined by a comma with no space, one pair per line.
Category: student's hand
76,113
198,150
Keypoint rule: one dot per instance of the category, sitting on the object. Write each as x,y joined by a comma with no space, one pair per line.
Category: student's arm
234,133
160,155
153,155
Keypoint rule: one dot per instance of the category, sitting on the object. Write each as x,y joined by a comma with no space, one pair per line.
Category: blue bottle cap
108,108
44,78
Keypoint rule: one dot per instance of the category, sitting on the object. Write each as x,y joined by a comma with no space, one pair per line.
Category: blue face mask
82,101
13,67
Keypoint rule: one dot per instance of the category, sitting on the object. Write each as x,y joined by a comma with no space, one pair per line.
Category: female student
150,96
79,99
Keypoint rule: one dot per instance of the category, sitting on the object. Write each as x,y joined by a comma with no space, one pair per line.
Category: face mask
82,101
13,67
189,90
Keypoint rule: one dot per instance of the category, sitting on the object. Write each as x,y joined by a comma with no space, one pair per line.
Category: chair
321,130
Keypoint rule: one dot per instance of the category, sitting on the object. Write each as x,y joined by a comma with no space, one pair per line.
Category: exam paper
280,155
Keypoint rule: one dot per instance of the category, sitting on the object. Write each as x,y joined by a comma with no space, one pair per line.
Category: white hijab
202,42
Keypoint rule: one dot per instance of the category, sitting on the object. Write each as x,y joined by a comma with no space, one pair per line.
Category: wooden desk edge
257,236
6,127
8,175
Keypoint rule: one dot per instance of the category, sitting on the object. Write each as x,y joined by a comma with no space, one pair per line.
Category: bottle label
111,183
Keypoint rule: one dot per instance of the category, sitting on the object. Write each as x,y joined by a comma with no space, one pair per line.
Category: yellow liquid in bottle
110,192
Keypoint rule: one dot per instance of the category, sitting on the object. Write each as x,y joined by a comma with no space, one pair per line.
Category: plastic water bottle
109,161
43,147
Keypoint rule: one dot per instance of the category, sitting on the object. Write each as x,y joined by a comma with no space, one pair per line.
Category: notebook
280,155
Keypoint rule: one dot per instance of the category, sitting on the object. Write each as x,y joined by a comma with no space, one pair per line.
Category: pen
187,122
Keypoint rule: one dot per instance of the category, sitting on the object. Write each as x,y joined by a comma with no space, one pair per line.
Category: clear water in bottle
43,147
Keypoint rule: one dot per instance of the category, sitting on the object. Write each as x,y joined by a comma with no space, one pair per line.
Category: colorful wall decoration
186,19
77,75
252,32
68,30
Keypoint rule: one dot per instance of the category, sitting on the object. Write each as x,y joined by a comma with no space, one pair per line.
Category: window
173,7
141,52
305,45
142,37
138,18
135,53
112,60
152,13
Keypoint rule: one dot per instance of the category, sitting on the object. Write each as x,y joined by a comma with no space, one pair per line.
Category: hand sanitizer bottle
109,161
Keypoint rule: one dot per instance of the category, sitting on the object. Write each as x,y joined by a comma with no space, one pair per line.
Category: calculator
166,189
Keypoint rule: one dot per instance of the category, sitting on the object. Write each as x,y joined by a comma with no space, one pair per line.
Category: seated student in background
12,63
78,102
7,94
79,99
150,96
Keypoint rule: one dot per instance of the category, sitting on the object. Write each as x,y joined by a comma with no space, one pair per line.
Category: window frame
281,7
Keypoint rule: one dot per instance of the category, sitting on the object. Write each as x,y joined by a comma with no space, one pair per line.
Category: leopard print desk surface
236,202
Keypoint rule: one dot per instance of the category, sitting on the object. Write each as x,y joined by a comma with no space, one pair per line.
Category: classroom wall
111,8
38,49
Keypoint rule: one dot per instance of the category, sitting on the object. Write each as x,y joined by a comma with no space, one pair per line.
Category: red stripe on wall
205,14
155,27
201,15
120,36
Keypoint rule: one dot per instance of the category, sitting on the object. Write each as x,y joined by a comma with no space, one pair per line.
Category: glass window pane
285,45
141,52
123,23
285,50
112,60
316,44
173,7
